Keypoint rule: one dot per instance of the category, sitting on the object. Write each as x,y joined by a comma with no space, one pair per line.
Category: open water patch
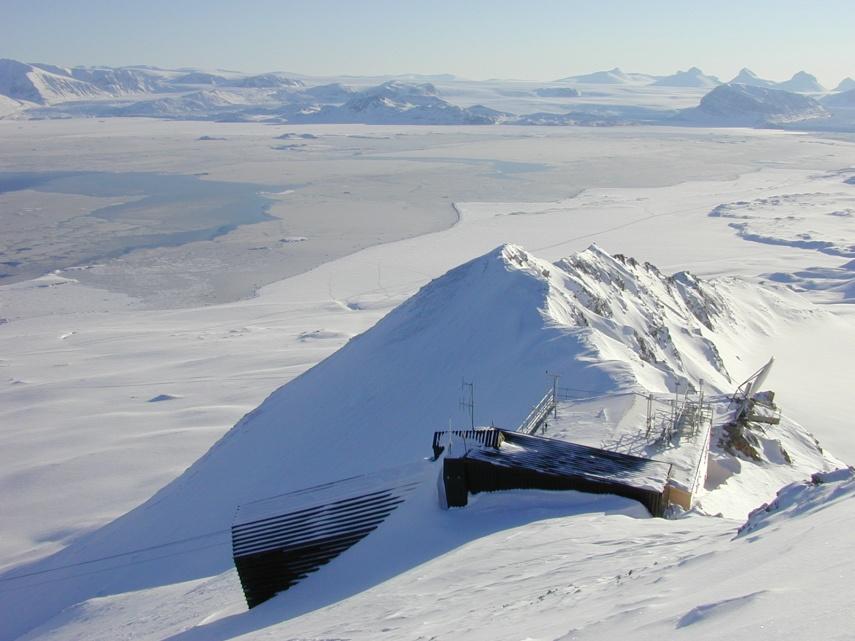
153,210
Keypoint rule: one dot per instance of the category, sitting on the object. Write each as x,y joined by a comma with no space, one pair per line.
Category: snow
802,82
611,77
748,77
603,98
693,77
25,82
524,564
598,575
847,84
845,99
749,105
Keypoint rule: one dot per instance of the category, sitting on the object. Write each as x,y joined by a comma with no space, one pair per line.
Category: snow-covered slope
205,104
745,105
693,77
611,77
119,82
843,99
748,77
802,82
697,580
847,84
557,92
21,81
200,78
10,106
333,92
395,102
602,322
267,80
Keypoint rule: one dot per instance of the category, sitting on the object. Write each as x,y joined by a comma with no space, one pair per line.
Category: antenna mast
468,401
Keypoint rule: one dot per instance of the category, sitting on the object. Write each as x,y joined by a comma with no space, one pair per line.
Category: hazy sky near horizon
478,39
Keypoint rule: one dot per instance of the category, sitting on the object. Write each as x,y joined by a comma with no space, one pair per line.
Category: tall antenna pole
649,413
468,401
676,412
555,378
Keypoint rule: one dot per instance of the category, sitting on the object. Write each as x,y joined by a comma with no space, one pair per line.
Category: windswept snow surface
600,575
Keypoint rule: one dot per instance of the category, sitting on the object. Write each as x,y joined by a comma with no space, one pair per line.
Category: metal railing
487,437
538,414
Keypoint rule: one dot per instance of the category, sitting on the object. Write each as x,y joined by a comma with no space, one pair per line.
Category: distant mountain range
801,82
49,91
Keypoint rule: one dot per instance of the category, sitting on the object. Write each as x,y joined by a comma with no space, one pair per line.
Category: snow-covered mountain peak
802,82
655,329
692,77
748,77
847,84
614,76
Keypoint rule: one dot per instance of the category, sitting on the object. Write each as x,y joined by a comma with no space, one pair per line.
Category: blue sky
537,39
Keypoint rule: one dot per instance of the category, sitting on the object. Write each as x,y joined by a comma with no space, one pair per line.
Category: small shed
523,461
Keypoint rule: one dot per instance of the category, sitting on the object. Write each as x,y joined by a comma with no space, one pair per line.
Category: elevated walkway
663,427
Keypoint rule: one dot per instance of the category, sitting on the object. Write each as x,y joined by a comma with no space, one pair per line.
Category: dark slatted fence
275,547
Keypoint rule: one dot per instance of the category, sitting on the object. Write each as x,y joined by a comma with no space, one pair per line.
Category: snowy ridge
29,83
602,322
639,315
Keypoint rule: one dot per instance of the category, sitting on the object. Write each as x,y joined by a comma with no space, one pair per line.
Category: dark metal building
522,461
